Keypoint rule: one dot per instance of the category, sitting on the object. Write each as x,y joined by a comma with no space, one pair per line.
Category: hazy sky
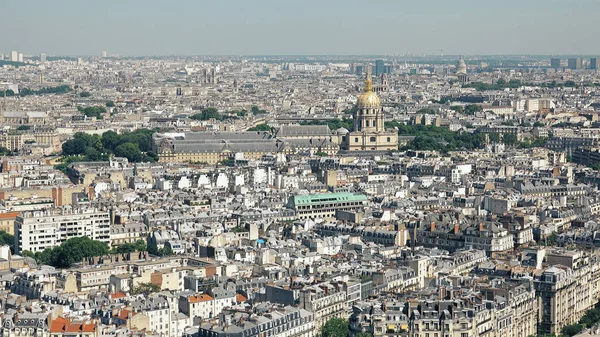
233,27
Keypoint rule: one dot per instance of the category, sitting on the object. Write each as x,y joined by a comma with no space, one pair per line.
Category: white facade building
38,230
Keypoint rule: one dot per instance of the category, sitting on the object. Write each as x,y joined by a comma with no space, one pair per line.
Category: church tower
369,132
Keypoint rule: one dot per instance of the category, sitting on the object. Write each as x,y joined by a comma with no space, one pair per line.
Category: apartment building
325,300
38,230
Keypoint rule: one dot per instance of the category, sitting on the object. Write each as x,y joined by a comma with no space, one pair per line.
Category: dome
461,66
342,131
368,98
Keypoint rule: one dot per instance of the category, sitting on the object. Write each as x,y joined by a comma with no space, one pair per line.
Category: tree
71,251
364,334
428,111
130,151
335,327
471,109
110,140
138,246
85,94
24,127
257,111
93,111
260,127
509,139
572,330
7,240
538,124
110,104
145,289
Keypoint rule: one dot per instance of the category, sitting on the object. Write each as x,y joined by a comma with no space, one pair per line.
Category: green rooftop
328,198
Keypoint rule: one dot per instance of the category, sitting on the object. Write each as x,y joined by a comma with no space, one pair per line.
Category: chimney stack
481,226
432,227
456,228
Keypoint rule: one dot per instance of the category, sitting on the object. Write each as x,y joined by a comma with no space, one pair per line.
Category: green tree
364,334
138,246
510,139
457,108
145,289
110,140
71,251
572,330
24,127
85,94
7,240
130,151
428,111
471,109
260,127
110,104
93,111
257,111
335,327
538,124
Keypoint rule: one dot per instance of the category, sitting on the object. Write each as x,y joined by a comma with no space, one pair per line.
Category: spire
368,81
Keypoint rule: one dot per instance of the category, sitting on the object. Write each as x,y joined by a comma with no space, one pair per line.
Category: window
356,139
367,123
389,139
373,139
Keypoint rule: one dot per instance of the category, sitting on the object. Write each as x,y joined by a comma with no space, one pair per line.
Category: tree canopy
335,327
260,127
138,246
7,239
71,251
334,124
85,94
62,89
93,111
136,146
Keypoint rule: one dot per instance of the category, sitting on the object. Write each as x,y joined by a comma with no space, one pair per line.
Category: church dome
368,99
342,131
461,66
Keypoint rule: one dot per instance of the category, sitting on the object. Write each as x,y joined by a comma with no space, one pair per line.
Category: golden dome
368,99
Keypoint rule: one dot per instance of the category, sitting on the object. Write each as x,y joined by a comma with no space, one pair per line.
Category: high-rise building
14,56
359,70
42,57
379,68
555,63
594,63
104,54
574,63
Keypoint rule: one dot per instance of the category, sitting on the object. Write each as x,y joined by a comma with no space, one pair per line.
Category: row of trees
136,146
260,127
77,249
334,124
71,251
62,89
213,113
469,109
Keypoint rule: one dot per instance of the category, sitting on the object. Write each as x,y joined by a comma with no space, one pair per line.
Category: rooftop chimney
432,226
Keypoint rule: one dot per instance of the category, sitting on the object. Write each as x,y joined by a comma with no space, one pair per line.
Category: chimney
481,226
432,227
456,228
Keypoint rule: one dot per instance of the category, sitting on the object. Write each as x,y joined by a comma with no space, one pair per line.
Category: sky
300,27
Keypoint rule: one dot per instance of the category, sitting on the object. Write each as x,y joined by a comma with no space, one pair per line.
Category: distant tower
104,54
235,86
43,58
213,76
42,77
461,70
204,76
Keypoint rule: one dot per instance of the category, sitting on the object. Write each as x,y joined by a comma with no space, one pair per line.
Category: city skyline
308,28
